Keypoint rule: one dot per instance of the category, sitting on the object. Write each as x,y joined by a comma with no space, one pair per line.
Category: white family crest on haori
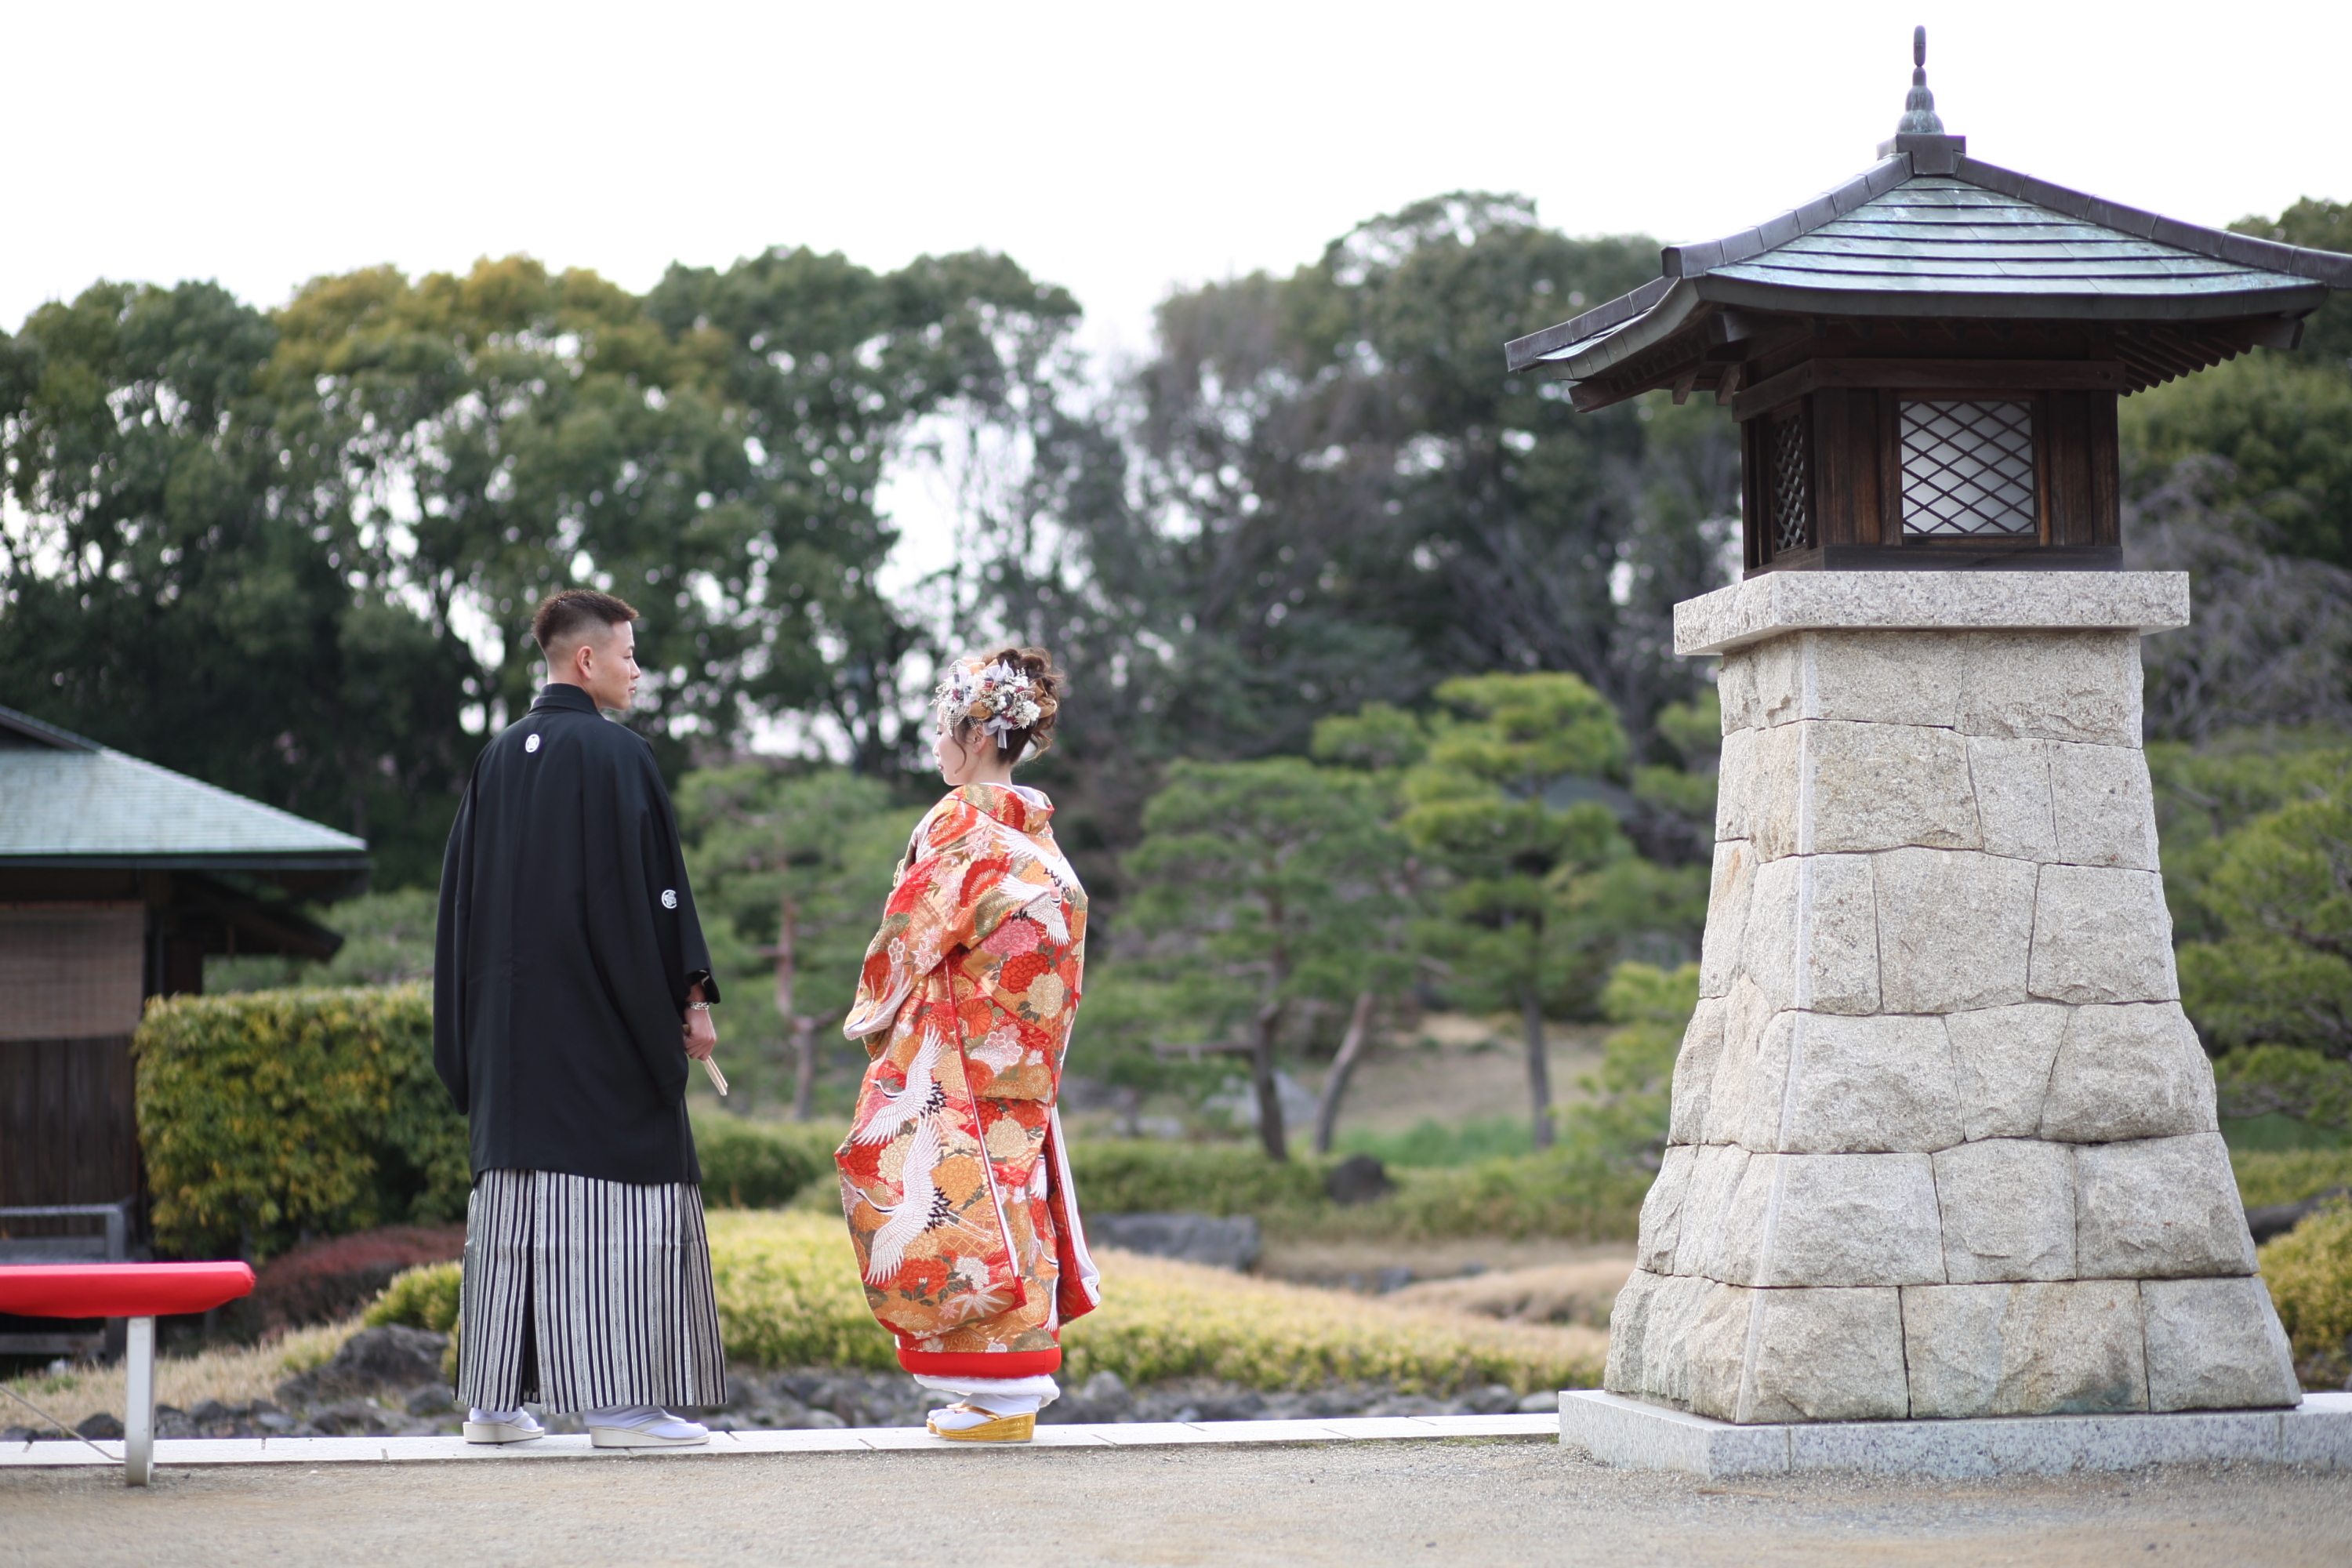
669,898
531,744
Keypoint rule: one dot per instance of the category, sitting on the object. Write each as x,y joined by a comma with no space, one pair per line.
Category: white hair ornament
1000,698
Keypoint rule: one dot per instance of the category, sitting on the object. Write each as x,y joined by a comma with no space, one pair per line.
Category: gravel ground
1461,1502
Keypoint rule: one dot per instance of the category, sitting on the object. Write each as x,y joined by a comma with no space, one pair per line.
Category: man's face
605,667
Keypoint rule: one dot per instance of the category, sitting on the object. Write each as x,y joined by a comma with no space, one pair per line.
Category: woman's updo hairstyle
1045,689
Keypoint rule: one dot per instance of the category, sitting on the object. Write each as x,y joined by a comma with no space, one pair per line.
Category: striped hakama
586,1295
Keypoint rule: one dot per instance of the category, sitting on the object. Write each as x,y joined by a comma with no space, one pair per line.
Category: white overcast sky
1119,149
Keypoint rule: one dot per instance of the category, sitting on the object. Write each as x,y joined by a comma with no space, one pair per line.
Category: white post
139,1401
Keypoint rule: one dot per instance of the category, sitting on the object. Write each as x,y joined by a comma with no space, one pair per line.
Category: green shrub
788,1296
267,1114
425,1297
1431,1143
788,1293
2309,1272
2289,1176
1161,1319
1580,1190
1574,1191
1142,1175
759,1164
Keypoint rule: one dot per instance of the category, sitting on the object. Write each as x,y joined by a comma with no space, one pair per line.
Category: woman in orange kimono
954,1177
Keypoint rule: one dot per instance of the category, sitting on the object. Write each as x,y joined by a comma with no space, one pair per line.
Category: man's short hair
561,615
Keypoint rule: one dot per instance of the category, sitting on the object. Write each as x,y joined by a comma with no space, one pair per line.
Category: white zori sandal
643,1426
502,1427
963,1423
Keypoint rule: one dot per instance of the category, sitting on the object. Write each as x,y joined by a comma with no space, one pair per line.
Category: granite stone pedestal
1943,1144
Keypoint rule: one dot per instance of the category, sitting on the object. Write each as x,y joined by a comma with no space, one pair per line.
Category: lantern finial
1919,110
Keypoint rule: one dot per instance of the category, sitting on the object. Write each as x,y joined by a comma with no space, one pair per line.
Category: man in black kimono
570,985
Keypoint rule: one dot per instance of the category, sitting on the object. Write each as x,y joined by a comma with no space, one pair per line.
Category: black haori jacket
567,942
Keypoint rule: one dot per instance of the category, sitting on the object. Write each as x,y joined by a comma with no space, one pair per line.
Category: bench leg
138,1404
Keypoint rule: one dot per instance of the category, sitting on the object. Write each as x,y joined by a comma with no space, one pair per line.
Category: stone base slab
1781,602
1620,1431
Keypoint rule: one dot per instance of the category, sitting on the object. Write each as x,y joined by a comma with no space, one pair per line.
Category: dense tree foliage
292,552
1328,491
289,552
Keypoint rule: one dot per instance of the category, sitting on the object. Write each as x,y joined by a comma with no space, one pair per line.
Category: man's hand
697,1033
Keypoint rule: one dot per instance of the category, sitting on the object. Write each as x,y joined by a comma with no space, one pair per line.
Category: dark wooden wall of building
71,1114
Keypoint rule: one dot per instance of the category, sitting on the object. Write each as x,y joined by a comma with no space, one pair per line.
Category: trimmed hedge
273,1113
1143,1176
1574,1191
760,1165
2309,1272
1578,1191
788,1296
265,1116
1161,1319
2267,1176
425,1297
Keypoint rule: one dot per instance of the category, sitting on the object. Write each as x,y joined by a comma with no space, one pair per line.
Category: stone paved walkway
1467,1501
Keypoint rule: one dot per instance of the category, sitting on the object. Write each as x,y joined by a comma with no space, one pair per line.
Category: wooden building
1925,361
117,879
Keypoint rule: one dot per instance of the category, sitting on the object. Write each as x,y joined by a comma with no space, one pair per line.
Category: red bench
138,1291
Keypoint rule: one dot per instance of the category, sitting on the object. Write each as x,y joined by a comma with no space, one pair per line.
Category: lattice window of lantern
1790,496
1968,468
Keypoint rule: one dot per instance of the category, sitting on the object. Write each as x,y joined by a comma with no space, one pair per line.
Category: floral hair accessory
1000,698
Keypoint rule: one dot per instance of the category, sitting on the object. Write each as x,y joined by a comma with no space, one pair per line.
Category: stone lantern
1944,1187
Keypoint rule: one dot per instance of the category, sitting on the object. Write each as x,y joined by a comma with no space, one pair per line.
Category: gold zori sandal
994,1429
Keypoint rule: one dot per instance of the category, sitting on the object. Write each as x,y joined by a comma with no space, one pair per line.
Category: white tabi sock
650,1419
997,1396
521,1418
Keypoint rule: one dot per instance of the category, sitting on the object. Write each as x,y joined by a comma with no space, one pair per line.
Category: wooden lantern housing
1925,361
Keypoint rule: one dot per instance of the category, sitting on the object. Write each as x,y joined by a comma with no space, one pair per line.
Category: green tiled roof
1936,233
68,801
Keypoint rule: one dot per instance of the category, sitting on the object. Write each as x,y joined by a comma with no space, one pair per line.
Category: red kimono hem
981,1363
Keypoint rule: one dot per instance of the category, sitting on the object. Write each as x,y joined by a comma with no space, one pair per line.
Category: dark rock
1389,1279
17,1434
210,1412
100,1424
1247,1405
275,1422
355,1418
432,1399
389,1357
1104,1397
1228,1243
1357,1179
2273,1220
1492,1400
